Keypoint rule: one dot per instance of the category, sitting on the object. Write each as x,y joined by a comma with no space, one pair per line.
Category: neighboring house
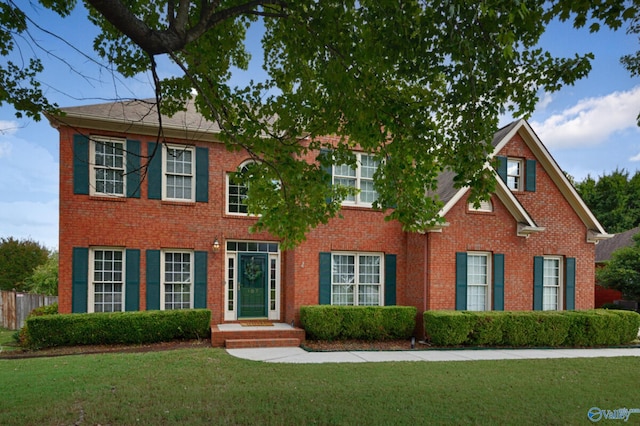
604,251
178,237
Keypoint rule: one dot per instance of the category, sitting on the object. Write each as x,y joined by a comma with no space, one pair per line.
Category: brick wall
496,232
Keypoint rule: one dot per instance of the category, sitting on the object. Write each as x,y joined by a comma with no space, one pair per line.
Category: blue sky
589,128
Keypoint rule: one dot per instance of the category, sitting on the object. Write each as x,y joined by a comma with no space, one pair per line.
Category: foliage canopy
18,258
622,271
418,84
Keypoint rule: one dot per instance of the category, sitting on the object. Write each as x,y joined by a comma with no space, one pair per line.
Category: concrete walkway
300,356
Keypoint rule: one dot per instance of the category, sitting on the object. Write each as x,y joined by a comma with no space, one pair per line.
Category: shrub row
531,329
116,328
327,322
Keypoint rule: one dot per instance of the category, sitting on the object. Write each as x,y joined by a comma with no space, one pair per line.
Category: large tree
622,271
419,84
18,259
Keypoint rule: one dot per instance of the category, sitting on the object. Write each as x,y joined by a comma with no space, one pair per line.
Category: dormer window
514,174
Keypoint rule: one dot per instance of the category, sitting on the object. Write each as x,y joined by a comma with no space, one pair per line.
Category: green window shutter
538,275
530,177
154,171
132,283
80,164
79,279
570,284
153,279
498,282
200,280
325,279
202,174
502,168
389,279
133,169
461,281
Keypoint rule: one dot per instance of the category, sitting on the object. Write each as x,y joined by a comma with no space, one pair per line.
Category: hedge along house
175,235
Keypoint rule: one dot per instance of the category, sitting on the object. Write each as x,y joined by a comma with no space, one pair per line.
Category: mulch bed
100,349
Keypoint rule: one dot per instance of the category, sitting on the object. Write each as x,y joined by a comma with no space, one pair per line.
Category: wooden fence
15,306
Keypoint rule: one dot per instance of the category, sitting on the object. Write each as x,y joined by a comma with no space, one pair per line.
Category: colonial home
178,236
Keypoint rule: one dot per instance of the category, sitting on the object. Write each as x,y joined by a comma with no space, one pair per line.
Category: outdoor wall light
216,245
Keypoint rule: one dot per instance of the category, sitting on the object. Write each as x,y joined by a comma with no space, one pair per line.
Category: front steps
236,336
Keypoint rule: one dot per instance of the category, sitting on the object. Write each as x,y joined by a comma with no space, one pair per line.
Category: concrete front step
261,343
275,335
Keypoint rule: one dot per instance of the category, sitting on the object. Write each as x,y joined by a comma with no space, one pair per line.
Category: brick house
178,237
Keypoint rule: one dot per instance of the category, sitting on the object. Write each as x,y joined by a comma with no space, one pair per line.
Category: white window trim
232,315
486,206
165,148
91,290
356,284
358,178
560,286
227,194
519,177
162,275
93,167
489,279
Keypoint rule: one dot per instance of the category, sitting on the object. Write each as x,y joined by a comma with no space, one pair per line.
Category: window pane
108,280
177,277
477,282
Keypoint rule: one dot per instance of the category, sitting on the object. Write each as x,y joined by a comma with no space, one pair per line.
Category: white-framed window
552,284
514,174
478,279
178,174
356,279
237,192
360,177
108,163
484,206
177,280
106,280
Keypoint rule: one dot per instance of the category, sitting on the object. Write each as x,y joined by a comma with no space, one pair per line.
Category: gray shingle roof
144,111
605,248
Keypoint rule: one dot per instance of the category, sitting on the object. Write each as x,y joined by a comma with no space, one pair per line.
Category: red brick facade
425,264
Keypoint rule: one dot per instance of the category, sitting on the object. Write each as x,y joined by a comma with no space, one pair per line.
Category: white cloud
635,157
8,127
5,149
591,121
543,103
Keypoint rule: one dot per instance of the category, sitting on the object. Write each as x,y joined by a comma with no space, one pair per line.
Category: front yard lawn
206,386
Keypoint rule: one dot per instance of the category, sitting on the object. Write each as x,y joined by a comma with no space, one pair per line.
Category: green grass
7,343
207,386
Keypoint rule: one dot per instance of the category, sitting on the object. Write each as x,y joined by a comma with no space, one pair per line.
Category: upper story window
514,174
107,166
237,192
483,206
178,173
360,177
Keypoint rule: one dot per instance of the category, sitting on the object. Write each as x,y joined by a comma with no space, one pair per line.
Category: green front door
253,275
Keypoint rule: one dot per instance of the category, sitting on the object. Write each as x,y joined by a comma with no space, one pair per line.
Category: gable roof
450,196
138,116
605,249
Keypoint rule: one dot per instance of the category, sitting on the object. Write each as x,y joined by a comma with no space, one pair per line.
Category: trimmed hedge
531,329
116,328
326,322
